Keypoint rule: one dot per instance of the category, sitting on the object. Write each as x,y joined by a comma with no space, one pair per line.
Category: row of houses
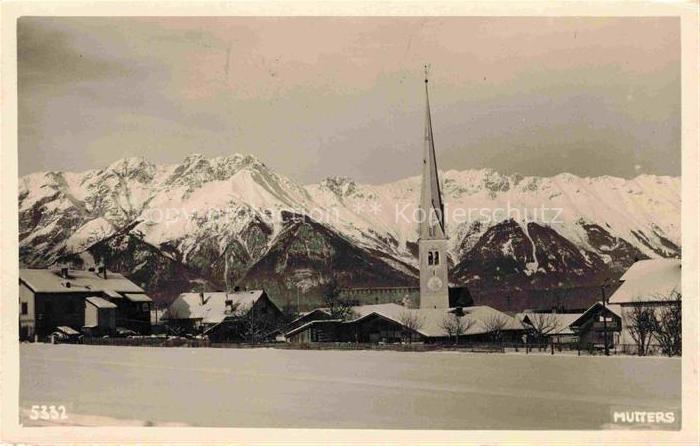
230,317
97,302
391,323
94,301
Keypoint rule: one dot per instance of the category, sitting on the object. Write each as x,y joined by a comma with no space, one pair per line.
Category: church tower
432,238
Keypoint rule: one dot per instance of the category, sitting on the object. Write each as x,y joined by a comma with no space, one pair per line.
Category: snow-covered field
340,389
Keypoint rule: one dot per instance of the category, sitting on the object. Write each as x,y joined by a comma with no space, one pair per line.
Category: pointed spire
433,224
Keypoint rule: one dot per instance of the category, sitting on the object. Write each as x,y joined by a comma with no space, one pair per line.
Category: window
146,307
25,308
430,257
436,258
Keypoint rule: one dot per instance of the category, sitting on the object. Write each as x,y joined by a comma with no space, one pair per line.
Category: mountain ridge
220,217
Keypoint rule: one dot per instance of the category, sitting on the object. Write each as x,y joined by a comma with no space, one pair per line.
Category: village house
653,284
592,325
223,316
52,298
393,323
317,314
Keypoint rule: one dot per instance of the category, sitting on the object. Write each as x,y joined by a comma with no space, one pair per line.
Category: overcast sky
314,97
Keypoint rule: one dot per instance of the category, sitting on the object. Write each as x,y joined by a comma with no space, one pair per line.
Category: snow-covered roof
113,294
390,310
649,281
563,321
311,323
67,330
138,297
307,314
613,308
210,307
50,281
100,303
432,319
481,314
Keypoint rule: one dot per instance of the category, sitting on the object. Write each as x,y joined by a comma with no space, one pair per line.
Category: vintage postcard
333,222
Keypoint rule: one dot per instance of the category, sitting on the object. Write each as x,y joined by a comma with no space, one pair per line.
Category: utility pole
252,310
605,317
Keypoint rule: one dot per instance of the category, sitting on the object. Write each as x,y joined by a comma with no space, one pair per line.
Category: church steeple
433,220
432,238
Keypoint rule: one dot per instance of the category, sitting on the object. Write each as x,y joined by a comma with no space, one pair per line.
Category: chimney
64,272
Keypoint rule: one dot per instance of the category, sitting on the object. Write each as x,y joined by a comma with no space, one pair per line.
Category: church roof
432,224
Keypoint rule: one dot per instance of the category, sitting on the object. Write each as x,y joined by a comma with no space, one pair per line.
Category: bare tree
543,324
641,322
338,307
456,325
494,324
412,322
244,323
667,328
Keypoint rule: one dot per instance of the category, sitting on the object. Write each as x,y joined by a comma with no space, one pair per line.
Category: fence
148,342
483,347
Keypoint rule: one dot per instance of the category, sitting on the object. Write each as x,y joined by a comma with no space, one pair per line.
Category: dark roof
460,297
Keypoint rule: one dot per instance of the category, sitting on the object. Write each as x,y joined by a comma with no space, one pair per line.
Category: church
432,236
434,291
381,314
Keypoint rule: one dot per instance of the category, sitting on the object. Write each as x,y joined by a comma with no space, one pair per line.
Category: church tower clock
432,237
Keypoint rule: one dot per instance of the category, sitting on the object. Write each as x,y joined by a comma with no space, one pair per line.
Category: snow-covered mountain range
233,221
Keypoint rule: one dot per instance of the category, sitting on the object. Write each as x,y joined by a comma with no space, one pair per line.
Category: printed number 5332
44,412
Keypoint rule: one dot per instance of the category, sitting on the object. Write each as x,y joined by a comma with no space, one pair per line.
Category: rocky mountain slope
231,221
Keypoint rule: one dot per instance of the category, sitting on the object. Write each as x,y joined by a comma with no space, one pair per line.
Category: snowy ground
344,389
